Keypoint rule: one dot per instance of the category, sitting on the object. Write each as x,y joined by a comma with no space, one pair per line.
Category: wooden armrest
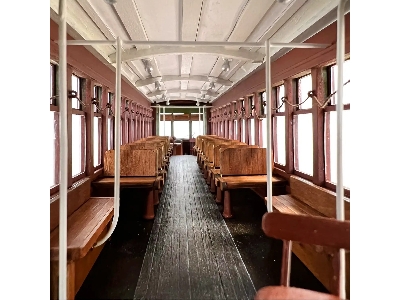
307,229
284,293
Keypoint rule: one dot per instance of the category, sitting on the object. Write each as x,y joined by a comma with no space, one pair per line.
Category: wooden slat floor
191,253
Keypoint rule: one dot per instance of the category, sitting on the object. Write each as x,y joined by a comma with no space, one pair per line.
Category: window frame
81,112
298,111
98,95
275,114
110,121
330,108
54,108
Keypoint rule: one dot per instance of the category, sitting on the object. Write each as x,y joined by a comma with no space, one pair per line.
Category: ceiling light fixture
111,2
226,65
157,85
211,86
283,1
147,66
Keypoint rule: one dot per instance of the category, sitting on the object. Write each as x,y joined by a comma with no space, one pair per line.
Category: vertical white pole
159,120
117,144
339,113
164,119
199,122
117,131
269,125
62,48
204,121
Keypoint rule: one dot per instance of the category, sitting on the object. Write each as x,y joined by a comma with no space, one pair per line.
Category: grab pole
269,121
339,123
117,144
62,49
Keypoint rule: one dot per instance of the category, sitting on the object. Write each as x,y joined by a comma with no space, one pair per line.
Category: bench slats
84,228
243,161
318,197
133,162
251,181
290,205
307,198
136,182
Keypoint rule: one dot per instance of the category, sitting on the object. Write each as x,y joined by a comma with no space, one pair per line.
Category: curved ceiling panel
189,20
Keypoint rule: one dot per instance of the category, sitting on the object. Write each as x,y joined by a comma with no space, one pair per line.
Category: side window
54,129
331,126
303,130
78,129
278,125
97,127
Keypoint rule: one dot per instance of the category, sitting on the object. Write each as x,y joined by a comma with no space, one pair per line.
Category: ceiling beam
165,78
134,54
171,91
183,98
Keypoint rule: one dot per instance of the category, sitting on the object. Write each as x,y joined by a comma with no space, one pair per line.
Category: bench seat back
321,199
139,162
243,161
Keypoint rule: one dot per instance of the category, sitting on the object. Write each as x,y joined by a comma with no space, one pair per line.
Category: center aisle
191,254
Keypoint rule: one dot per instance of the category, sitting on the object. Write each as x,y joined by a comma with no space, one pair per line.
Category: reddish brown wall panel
84,61
294,62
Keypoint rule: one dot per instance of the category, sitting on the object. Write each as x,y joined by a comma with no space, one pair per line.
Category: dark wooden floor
187,252
191,254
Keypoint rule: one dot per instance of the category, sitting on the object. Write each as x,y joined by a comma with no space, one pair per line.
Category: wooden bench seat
162,159
306,198
212,154
307,230
105,186
209,146
248,181
139,168
214,173
203,145
214,170
85,227
242,167
288,204
225,184
310,198
129,182
207,167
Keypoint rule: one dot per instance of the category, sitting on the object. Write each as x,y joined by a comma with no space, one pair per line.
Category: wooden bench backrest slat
199,139
197,142
141,162
158,146
211,145
219,147
76,196
243,161
203,143
206,139
321,199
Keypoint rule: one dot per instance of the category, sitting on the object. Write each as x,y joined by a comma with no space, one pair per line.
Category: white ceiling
186,72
